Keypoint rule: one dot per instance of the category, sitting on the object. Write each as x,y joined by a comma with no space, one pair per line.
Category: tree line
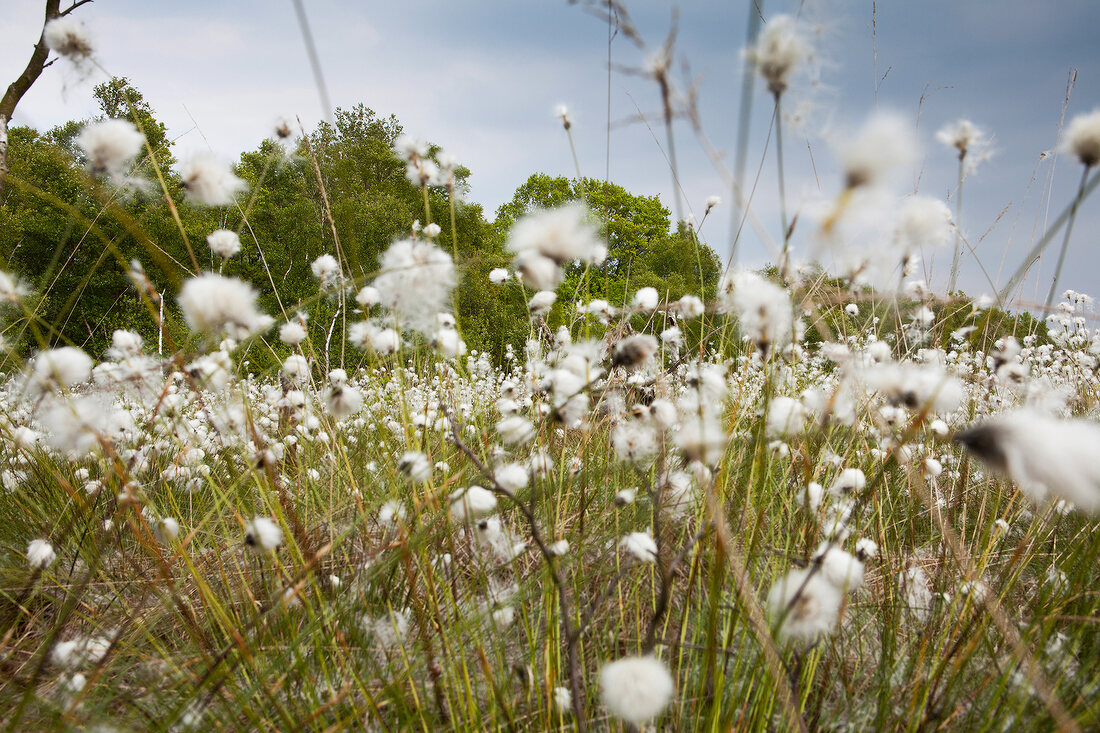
73,239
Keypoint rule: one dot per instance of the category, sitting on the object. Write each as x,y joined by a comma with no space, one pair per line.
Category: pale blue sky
483,78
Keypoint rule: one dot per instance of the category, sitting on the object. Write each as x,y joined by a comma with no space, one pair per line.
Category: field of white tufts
815,501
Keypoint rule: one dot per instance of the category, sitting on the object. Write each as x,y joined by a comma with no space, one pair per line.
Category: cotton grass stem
1065,240
953,281
1037,250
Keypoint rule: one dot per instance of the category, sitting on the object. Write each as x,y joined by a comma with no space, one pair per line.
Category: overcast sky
482,78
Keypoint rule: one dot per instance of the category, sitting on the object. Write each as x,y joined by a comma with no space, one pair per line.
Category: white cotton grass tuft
636,689
634,351
1048,458
498,276
224,243
40,554
635,442
805,605
1082,138
326,269
58,369
341,400
68,37
515,430
763,308
541,302
368,296
968,140
885,143
646,300
415,283
263,534
786,416
110,147
416,466
214,304
925,224
640,546
293,332
209,180
560,235
472,503
511,477
368,335
780,47
690,306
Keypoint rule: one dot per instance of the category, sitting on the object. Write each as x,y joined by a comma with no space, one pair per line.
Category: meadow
792,499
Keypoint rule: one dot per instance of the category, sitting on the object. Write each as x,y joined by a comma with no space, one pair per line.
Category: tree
26,80
641,250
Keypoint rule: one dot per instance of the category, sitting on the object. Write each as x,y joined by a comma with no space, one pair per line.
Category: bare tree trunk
19,87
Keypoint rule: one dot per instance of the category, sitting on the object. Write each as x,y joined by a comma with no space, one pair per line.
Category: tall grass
384,606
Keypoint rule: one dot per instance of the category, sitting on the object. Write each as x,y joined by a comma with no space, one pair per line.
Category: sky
482,78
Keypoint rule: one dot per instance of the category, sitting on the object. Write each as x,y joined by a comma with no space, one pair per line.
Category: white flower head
1048,458
646,299
58,369
368,296
779,48
762,307
1082,138
213,304
209,180
512,477
636,689
110,146
885,143
68,37
806,605
326,269
640,545
40,554
562,235
498,276
224,243
542,301
415,282
471,503
416,466
262,533
689,306
968,140
292,332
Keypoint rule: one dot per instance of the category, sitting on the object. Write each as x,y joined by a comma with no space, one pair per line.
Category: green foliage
641,249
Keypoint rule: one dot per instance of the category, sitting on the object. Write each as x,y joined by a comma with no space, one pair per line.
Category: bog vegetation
308,442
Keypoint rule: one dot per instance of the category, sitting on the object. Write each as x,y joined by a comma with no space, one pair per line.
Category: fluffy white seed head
210,181
213,304
1048,458
646,299
110,147
779,48
224,243
59,369
562,234
806,606
415,283
885,143
636,689
263,534
1082,138
639,545
40,554
68,37
471,503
